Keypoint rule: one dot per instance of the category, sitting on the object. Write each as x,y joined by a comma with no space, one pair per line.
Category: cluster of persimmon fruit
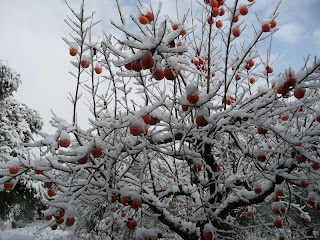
85,63
289,85
134,203
193,98
218,10
147,62
279,208
197,165
60,219
137,130
200,64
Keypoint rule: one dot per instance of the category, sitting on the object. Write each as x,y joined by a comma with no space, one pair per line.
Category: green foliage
20,204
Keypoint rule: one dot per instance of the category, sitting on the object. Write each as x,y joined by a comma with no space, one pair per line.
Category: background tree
191,131
17,124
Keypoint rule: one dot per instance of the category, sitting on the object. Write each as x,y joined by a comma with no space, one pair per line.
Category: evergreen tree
17,124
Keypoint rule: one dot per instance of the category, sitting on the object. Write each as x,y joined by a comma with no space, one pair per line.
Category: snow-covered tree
192,134
17,124
17,121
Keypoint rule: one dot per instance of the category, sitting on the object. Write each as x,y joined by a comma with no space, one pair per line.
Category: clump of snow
145,8
191,88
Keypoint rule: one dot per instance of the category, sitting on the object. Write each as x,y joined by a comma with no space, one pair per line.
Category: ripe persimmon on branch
192,134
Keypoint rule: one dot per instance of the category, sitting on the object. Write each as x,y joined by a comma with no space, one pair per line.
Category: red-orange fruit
125,201
51,193
275,211
98,70
132,224
59,221
169,74
291,82
114,198
222,11
137,130
304,184
301,158
64,143
215,11
273,23
36,171
315,166
201,121
150,16
230,100
207,236
221,2
150,120
185,108
214,3
285,118
96,152
282,90
299,93
154,121
266,28
61,213
147,62
197,168
70,222
143,20
8,186
73,51
48,184
136,66
278,224
158,75
146,118
135,204
190,162
193,98
128,66
210,20
85,64
257,190
219,24
175,26
54,227
262,158
83,160
244,10
183,32
262,131
236,32
252,80
14,170
48,217
236,19
269,70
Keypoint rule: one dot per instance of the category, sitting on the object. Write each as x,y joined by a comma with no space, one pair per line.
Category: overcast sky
32,30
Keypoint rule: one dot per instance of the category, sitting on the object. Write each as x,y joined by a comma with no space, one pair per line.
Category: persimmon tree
192,134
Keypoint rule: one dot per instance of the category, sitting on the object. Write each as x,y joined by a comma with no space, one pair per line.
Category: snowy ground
34,231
